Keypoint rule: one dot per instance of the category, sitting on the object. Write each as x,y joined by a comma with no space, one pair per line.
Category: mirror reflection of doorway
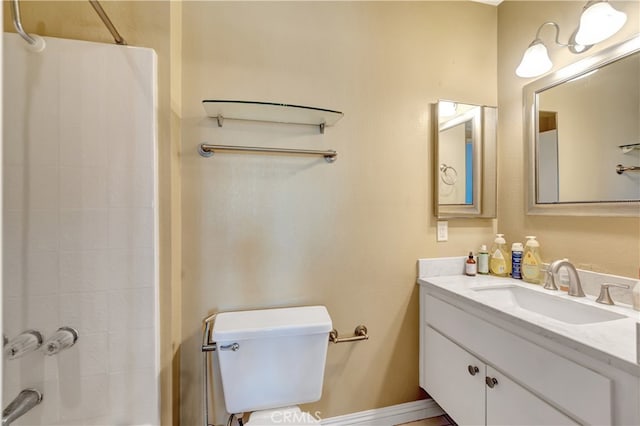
548,157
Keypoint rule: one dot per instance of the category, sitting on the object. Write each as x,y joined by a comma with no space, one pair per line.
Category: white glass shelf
629,147
271,112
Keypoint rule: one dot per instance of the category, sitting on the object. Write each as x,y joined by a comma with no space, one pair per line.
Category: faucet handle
550,282
605,297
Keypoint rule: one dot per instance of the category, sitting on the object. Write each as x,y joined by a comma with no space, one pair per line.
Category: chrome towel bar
620,169
360,333
207,150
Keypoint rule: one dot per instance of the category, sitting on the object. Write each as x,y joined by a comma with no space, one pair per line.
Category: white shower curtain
80,228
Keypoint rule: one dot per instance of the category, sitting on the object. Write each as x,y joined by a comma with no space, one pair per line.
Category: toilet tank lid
263,323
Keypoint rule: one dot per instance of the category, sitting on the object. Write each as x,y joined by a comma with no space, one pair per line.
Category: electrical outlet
443,231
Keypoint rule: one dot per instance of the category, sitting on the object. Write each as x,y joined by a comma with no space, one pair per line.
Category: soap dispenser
531,262
483,260
499,258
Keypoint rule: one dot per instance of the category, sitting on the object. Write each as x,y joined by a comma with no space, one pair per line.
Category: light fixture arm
598,22
571,44
557,40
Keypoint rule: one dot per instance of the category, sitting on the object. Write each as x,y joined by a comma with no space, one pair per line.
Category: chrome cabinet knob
473,370
491,381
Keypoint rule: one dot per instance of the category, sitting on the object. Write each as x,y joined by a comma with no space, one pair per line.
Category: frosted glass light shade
535,61
599,22
447,109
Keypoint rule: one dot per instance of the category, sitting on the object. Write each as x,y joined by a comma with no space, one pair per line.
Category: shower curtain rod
33,41
107,22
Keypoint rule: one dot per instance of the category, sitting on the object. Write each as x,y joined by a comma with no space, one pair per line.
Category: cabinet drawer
578,391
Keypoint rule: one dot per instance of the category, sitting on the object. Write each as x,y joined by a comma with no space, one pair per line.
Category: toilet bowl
288,416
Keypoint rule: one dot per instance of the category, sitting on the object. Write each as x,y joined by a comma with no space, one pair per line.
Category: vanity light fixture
536,61
447,108
599,21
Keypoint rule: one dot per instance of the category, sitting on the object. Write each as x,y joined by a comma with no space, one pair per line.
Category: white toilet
271,360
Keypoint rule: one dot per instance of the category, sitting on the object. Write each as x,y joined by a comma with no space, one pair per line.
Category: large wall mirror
465,160
582,129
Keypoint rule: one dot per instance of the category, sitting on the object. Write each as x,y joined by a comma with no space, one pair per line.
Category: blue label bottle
516,261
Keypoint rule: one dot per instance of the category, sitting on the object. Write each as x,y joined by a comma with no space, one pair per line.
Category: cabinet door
508,403
451,378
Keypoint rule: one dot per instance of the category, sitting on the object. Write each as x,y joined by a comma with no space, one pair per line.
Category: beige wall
274,231
609,245
266,231
145,24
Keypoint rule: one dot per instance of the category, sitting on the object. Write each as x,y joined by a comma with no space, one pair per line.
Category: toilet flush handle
232,347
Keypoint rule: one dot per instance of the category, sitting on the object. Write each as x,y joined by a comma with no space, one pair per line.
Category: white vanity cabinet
475,393
541,380
508,403
454,378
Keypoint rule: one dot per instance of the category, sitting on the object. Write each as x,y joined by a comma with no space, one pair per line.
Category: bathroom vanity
500,351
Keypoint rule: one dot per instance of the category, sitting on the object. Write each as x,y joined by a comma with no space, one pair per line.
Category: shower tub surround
80,229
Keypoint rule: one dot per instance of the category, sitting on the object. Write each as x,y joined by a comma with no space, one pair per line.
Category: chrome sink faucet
575,286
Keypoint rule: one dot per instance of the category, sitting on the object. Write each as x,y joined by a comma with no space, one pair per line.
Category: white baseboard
388,416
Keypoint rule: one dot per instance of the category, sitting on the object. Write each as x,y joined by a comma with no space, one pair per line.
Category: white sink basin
557,307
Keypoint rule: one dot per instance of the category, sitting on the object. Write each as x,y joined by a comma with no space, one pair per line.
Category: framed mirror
464,160
582,135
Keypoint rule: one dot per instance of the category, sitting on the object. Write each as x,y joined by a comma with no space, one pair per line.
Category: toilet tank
279,356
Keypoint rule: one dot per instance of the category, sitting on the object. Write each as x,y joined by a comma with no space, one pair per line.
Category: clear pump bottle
483,260
499,259
531,262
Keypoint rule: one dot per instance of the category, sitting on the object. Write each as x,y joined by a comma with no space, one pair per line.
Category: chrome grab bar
207,346
620,169
360,333
206,150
